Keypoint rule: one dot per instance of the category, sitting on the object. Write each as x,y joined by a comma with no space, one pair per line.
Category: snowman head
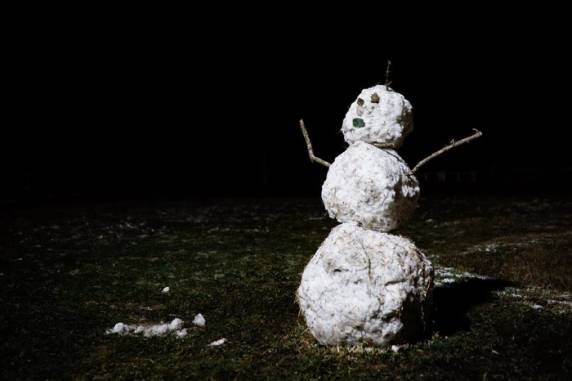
379,116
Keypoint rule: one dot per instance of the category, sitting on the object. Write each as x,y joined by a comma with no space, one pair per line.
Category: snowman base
366,286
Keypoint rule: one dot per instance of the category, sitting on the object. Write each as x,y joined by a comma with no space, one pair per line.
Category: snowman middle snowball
371,186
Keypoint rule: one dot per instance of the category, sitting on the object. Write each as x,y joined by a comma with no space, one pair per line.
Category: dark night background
143,148
98,111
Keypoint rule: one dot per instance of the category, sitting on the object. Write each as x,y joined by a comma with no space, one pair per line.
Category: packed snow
148,330
379,116
217,343
370,186
199,320
363,285
181,333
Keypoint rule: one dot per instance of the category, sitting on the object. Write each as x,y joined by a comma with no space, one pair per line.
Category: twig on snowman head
453,144
388,73
309,146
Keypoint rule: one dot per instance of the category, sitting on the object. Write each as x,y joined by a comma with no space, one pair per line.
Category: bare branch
309,146
388,73
453,144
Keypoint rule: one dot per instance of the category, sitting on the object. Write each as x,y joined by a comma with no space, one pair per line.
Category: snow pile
181,333
370,186
199,320
148,330
217,343
378,116
166,290
363,285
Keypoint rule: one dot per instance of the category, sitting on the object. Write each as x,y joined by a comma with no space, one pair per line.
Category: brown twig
453,144
388,73
309,146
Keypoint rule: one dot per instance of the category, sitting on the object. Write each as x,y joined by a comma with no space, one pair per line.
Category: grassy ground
68,274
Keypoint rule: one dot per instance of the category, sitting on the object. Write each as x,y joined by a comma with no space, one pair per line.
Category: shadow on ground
453,301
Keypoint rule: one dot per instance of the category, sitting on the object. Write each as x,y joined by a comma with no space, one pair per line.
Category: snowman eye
360,102
374,98
358,123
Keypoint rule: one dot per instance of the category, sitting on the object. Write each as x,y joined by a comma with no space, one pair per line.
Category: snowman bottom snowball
366,286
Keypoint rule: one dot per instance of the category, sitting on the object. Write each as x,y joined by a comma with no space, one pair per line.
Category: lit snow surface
166,290
363,285
448,275
217,343
370,186
148,330
378,116
199,320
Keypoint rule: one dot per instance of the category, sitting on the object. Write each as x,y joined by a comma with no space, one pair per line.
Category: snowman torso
371,186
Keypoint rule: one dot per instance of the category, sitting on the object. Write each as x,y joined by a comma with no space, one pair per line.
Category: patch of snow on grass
199,320
448,275
217,343
539,299
149,330
563,302
181,333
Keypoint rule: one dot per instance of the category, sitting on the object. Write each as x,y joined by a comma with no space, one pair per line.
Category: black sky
125,112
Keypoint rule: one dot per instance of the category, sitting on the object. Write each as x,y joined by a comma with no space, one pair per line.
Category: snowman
365,284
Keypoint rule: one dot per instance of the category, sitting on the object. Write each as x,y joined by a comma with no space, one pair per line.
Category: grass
68,274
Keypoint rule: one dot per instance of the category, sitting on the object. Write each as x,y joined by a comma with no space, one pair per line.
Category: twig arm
309,146
453,144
